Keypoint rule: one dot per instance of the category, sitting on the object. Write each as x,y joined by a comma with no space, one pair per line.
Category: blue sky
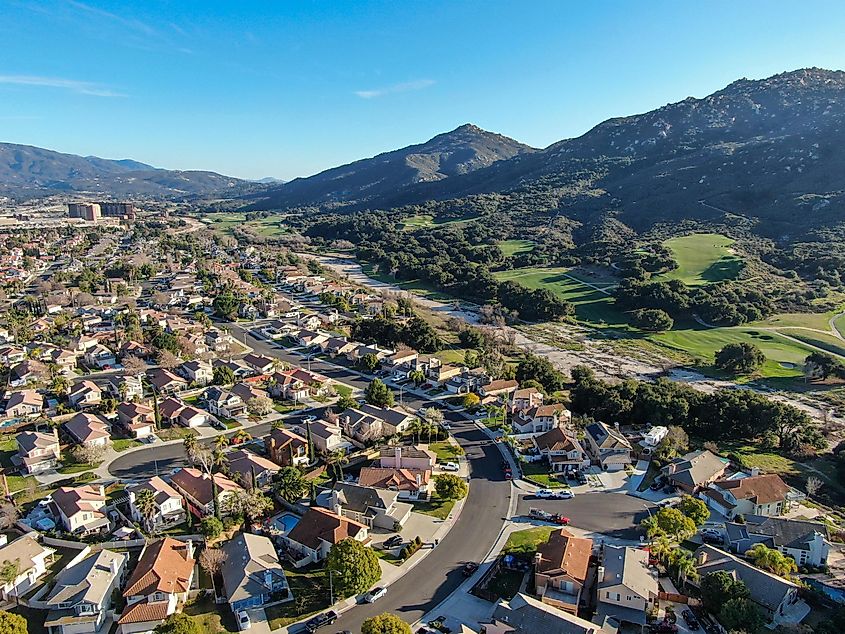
286,89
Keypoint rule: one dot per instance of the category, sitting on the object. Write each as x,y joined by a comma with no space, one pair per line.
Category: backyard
311,595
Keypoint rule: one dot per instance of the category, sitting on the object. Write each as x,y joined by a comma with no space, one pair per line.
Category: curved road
439,573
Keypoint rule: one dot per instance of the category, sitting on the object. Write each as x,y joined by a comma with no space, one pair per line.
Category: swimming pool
285,522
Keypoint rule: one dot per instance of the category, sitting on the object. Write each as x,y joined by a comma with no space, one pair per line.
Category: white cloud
418,84
81,87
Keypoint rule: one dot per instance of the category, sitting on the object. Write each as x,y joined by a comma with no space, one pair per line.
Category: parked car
393,542
451,466
545,494
540,514
375,594
321,620
690,620
664,627
243,621
582,478
563,494
469,568
560,519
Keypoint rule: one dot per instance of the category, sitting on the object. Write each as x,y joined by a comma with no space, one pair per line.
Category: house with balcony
759,494
81,595
85,394
562,450
126,387
165,382
560,569
197,372
607,446
374,508
88,430
248,469
23,404
100,357
159,585
170,510
325,436
805,541
195,486
368,422
252,573
138,419
526,398
81,509
627,589
540,419
224,403
287,448
317,531
37,451
32,558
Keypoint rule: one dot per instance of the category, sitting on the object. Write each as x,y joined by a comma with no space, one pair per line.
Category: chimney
600,574
336,507
189,546
419,479
114,566
398,454
3,539
755,471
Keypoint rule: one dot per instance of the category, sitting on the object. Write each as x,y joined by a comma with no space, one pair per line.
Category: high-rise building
93,211
86,211
120,210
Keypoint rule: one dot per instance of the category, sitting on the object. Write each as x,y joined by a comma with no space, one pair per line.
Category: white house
169,508
32,559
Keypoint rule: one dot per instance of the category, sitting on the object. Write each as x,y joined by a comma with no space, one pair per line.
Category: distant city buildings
94,211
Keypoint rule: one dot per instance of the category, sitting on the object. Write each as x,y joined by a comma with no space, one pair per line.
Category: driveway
613,514
259,621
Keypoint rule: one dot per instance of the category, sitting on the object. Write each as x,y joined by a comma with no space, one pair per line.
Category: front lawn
435,507
505,583
212,618
538,473
446,451
122,444
72,468
310,595
176,433
525,542
341,389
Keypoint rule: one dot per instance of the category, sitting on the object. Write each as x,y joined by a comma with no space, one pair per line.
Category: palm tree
685,567
336,459
145,502
415,428
59,384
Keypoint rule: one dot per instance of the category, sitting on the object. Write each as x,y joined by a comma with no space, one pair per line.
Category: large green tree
540,369
448,486
385,624
772,560
12,623
694,509
179,623
378,394
740,358
289,484
354,567
718,587
671,522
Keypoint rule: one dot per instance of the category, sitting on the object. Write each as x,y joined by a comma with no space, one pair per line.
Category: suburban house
159,585
89,430
764,494
608,447
246,467
100,357
169,409
190,416
126,387
252,574
560,569
325,437
562,450
261,365
165,382
695,470
527,615
247,392
10,355
411,484
223,403
526,398
81,595
28,371
197,490
23,404
374,508
287,387
137,418
81,509
317,531
37,451
85,394
501,388
419,458
32,558
775,596
368,422
197,372
806,542
626,586
169,508
536,420
287,448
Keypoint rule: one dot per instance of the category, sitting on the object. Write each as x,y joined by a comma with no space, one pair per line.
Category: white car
243,621
545,493
565,494
451,466
375,594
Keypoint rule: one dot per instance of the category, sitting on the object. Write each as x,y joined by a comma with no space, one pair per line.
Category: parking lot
613,514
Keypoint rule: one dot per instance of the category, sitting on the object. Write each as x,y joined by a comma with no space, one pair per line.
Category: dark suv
326,618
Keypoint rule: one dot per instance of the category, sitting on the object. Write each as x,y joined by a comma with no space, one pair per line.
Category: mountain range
27,171
771,150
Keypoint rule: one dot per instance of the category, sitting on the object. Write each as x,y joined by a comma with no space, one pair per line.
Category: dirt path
607,363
